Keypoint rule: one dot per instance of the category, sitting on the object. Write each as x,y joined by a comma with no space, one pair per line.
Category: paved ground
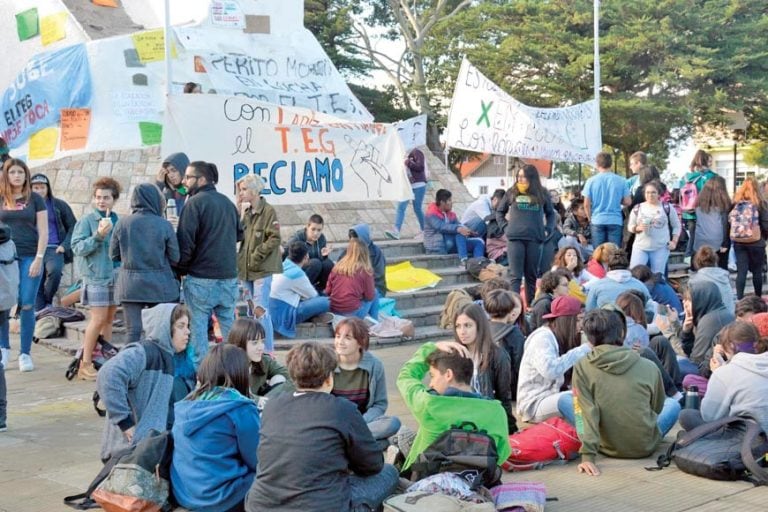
51,450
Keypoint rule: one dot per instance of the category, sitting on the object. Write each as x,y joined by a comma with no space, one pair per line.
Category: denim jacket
92,251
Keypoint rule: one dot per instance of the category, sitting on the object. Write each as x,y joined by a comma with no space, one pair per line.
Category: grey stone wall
72,177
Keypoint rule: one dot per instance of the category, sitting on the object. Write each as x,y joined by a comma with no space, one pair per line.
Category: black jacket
496,383
314,248
65,220
208,232
510,338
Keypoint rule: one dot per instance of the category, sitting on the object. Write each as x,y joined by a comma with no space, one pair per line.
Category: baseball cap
564,306
40,178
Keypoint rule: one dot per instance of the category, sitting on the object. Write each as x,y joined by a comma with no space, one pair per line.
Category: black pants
666,354
318,271
749,257
524,257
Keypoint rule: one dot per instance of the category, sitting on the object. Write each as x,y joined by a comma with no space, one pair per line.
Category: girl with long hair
492,374
25,213
656,230
700,173
216,435
750,254
359,377
265,373
351,286
550,353
523,211
712,207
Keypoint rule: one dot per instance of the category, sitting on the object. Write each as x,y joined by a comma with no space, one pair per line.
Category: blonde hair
356,259
252,182
603,252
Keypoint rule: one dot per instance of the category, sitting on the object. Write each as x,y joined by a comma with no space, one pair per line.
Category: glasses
190,176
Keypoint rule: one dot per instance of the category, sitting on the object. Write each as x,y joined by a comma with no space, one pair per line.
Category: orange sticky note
53,28
42,144
75,124
105,3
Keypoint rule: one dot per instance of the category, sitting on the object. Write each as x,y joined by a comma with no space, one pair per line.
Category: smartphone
719,358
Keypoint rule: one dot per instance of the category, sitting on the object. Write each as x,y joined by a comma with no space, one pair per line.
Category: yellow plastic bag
404,277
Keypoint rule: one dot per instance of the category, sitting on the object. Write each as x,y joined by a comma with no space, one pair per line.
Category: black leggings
749,257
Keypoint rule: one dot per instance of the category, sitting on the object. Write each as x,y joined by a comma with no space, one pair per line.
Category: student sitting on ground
449,399
661,292
265,373
351,286
598,263
618,397
552,284
750,306
292,298
315,451
618,279
359,377
550,351
216,435
505,308
138,386
492,376
739,382
705,263
378,261
318,266
443,234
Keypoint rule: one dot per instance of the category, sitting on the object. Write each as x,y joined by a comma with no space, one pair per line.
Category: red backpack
553,441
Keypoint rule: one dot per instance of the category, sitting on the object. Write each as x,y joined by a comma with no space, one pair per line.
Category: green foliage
331,23
384,104
757,154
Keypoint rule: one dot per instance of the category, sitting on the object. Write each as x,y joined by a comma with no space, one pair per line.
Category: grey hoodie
721,278
147,246
136,385
739,389
709,316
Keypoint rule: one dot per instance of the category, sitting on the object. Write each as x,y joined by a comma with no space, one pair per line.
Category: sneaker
87,372
5,357
322,318
3,426
419,236
463,263
25,363
392,234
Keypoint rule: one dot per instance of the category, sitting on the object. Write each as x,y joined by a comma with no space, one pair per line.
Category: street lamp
738,127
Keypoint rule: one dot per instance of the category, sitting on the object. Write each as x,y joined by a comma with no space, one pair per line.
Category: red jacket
347,293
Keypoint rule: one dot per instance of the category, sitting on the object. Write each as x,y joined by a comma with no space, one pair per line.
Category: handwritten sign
413,131
303,156
485,119
227,14
75,124
53,28
42,144
135,105
150,46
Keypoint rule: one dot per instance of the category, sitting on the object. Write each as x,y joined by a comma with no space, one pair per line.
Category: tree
331,23
667,65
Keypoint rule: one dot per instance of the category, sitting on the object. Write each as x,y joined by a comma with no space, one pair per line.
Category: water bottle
170,209
692,398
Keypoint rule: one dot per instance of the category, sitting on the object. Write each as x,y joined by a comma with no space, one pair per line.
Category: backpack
463,449
103,352
48,327
726,449
62,313
744,219
136,479
456,300
422,501
689,194
9,270
553,441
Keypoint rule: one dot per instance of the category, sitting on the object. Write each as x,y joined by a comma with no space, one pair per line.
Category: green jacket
262,372
617,396
259,254
436,413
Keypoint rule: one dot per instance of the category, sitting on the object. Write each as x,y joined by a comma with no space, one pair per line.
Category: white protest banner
413,131
485,119
302,156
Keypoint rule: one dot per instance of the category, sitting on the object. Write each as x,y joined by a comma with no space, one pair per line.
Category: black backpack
475,265
108,351
726,449
463,449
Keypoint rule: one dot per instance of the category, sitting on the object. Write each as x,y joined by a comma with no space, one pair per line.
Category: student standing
656,230
749,228
416,168
604,195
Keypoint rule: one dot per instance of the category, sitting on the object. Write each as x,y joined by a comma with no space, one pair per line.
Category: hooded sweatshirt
378,261
606,290
215,439
136,385
709,316
721,278
617,397
146,245
739,389
180,161
511,339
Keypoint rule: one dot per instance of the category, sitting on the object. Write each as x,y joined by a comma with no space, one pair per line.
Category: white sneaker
392,234
5,357
25,363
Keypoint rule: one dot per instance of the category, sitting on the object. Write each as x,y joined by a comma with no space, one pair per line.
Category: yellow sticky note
53,28
151,46
42,144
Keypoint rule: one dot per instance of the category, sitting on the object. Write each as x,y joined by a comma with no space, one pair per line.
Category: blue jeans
265,320
368,308
382,428
602,233
477,225
461,245
53,264
665,420
27,292
657,259
203,297
369,492
312,307
418,201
